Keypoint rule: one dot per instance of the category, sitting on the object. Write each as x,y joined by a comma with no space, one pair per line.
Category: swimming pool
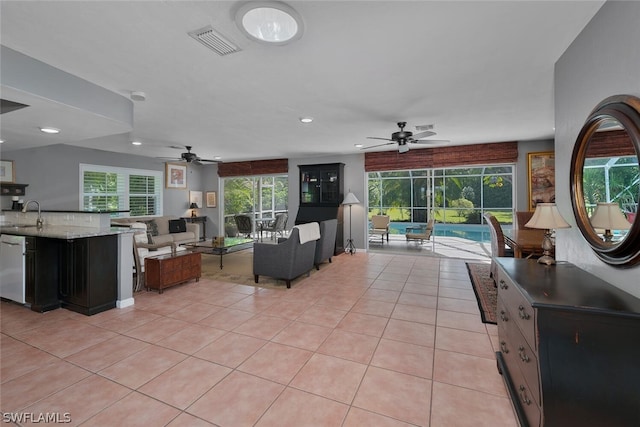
475,232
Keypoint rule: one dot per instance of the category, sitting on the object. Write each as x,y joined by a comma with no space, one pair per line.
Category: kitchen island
85,268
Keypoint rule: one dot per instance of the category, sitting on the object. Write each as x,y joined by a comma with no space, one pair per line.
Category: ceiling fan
190,157
403,137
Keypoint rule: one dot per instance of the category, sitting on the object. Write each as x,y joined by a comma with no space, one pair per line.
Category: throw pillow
152,227
177,226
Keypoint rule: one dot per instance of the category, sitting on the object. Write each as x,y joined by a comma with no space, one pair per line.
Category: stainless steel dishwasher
12,266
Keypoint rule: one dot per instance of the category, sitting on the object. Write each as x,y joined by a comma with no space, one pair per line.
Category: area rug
237,267
485,290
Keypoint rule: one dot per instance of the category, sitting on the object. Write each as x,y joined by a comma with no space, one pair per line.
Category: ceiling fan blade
429,141
203,161
378,145
375,137
424,134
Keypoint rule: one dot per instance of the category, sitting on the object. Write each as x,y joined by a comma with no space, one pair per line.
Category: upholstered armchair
286,260
142,249
325,246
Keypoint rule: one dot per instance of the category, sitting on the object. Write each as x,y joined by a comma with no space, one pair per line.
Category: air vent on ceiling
214,41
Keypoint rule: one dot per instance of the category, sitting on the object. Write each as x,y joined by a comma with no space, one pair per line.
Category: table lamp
547,217
193,207
608,216
350,200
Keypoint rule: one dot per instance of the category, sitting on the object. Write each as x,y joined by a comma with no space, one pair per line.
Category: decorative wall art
195,197
542,178
212,199
7,171
175,175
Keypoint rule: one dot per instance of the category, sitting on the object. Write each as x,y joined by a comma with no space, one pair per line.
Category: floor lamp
350,200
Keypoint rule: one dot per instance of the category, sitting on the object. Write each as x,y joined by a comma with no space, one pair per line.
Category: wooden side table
168,270
201,220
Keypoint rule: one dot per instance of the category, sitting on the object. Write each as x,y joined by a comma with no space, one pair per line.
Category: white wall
604,60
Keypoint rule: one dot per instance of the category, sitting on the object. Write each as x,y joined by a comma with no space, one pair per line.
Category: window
105,188
449,195
261,196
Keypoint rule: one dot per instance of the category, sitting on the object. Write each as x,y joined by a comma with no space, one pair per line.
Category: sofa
158,229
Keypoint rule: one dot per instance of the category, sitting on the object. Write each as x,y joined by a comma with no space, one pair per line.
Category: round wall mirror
605,180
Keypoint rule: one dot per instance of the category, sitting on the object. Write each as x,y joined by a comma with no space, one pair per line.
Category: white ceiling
480,71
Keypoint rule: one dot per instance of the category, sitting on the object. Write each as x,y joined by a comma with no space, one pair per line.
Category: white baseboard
125,303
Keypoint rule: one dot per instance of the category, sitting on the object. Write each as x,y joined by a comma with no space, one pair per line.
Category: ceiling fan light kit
402,137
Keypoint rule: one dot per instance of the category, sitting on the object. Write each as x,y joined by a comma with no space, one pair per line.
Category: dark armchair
286,260
325,246
244,223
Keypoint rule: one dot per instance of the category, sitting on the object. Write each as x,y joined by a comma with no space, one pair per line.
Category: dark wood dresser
569,346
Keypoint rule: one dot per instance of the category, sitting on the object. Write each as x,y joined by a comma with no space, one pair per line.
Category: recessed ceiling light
1,141
138,96
306,119
49,130
217,158
136,142
358,145
270,22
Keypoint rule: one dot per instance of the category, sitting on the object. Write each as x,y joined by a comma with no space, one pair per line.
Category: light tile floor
370,340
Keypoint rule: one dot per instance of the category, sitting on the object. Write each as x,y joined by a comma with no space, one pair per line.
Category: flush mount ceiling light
136,143
272,23
49,130
306,119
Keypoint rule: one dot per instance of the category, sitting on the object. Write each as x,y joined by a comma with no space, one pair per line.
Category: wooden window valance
438,157
613,143
253,167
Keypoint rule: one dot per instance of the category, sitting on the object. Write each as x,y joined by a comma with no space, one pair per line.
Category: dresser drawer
521,311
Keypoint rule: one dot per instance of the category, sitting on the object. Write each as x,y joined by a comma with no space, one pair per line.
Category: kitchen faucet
39,220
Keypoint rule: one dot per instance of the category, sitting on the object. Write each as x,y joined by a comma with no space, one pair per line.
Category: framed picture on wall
176,175
7,171
212,200
542,178
195,197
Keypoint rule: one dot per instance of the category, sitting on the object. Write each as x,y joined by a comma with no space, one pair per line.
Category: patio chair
278,225
422,233
380,226
244,223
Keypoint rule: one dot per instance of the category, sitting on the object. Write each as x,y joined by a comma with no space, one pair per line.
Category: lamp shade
609,217
350,199
547,216
193,206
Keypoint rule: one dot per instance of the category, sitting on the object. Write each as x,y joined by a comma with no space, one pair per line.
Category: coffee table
231,244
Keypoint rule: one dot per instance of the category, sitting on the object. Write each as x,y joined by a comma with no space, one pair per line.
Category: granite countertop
60,231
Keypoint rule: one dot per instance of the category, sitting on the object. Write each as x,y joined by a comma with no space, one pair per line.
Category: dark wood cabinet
569,346
41,273
321,185
88,280
321,194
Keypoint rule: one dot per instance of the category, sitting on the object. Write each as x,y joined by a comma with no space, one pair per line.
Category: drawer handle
523,315
503,316
503,284
503,347
523,355
523,395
